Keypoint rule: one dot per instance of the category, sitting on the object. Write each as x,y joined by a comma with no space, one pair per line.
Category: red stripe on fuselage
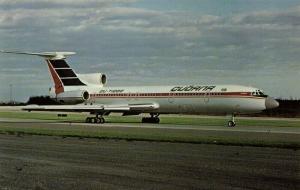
177,95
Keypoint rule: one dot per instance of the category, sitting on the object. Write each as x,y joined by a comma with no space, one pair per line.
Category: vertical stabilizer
60,71
62,75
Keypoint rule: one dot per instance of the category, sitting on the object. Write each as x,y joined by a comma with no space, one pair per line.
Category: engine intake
93,78
72,97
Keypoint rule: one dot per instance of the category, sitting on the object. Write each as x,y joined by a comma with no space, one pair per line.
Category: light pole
11,93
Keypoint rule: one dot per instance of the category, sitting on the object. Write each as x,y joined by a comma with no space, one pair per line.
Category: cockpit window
258,93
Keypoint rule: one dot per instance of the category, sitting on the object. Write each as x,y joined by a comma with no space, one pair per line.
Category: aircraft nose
271,103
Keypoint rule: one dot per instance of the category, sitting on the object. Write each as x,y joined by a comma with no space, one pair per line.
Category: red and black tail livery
61,72
62,75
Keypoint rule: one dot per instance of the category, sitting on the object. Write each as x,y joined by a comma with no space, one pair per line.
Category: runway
194,160
291,130
44,162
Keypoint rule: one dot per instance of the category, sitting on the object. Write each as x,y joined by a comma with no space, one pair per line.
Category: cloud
130,42
61,20
58,4
282,18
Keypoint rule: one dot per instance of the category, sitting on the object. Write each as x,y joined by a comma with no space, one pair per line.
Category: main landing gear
231,123
97,119
153,119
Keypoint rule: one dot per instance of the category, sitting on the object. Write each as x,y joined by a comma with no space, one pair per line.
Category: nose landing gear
231,123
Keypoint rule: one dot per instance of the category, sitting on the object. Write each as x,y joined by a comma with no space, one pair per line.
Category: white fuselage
71,88
216,99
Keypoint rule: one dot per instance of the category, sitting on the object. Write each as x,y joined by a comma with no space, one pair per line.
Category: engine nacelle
72,97
93,78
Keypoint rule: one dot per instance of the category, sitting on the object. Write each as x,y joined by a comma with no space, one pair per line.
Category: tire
88,120
231,124
150,120
102,120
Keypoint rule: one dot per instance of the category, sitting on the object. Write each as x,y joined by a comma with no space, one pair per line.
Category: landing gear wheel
88,120
95,120
152,119
102,120
231,124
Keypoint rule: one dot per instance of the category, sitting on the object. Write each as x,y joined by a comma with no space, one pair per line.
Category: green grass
161,135
178,120
41,116
156,134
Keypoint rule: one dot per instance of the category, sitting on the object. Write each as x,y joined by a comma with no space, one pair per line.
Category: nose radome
271,103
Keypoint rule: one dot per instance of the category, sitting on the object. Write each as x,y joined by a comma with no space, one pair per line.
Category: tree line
287,108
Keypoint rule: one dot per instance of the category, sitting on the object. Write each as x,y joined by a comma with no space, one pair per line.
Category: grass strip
178,120
288,141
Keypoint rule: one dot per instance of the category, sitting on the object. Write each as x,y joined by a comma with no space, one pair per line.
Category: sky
154,42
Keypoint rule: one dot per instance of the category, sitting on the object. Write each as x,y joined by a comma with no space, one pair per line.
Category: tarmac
43,162
52,162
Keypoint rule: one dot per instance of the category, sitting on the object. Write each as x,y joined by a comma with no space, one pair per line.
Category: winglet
46,55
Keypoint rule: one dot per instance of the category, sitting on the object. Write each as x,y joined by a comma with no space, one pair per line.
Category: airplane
89,93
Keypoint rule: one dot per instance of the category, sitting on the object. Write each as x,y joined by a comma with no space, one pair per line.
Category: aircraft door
206,97
171,98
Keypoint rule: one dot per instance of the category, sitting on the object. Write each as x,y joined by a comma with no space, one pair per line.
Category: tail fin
62,75
60,71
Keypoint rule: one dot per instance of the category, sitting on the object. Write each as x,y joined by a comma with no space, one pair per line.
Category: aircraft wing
96,108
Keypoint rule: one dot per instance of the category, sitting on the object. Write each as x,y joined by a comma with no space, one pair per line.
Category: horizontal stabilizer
46,55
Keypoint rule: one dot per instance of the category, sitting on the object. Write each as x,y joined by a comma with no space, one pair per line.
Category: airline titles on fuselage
111,91
192,88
